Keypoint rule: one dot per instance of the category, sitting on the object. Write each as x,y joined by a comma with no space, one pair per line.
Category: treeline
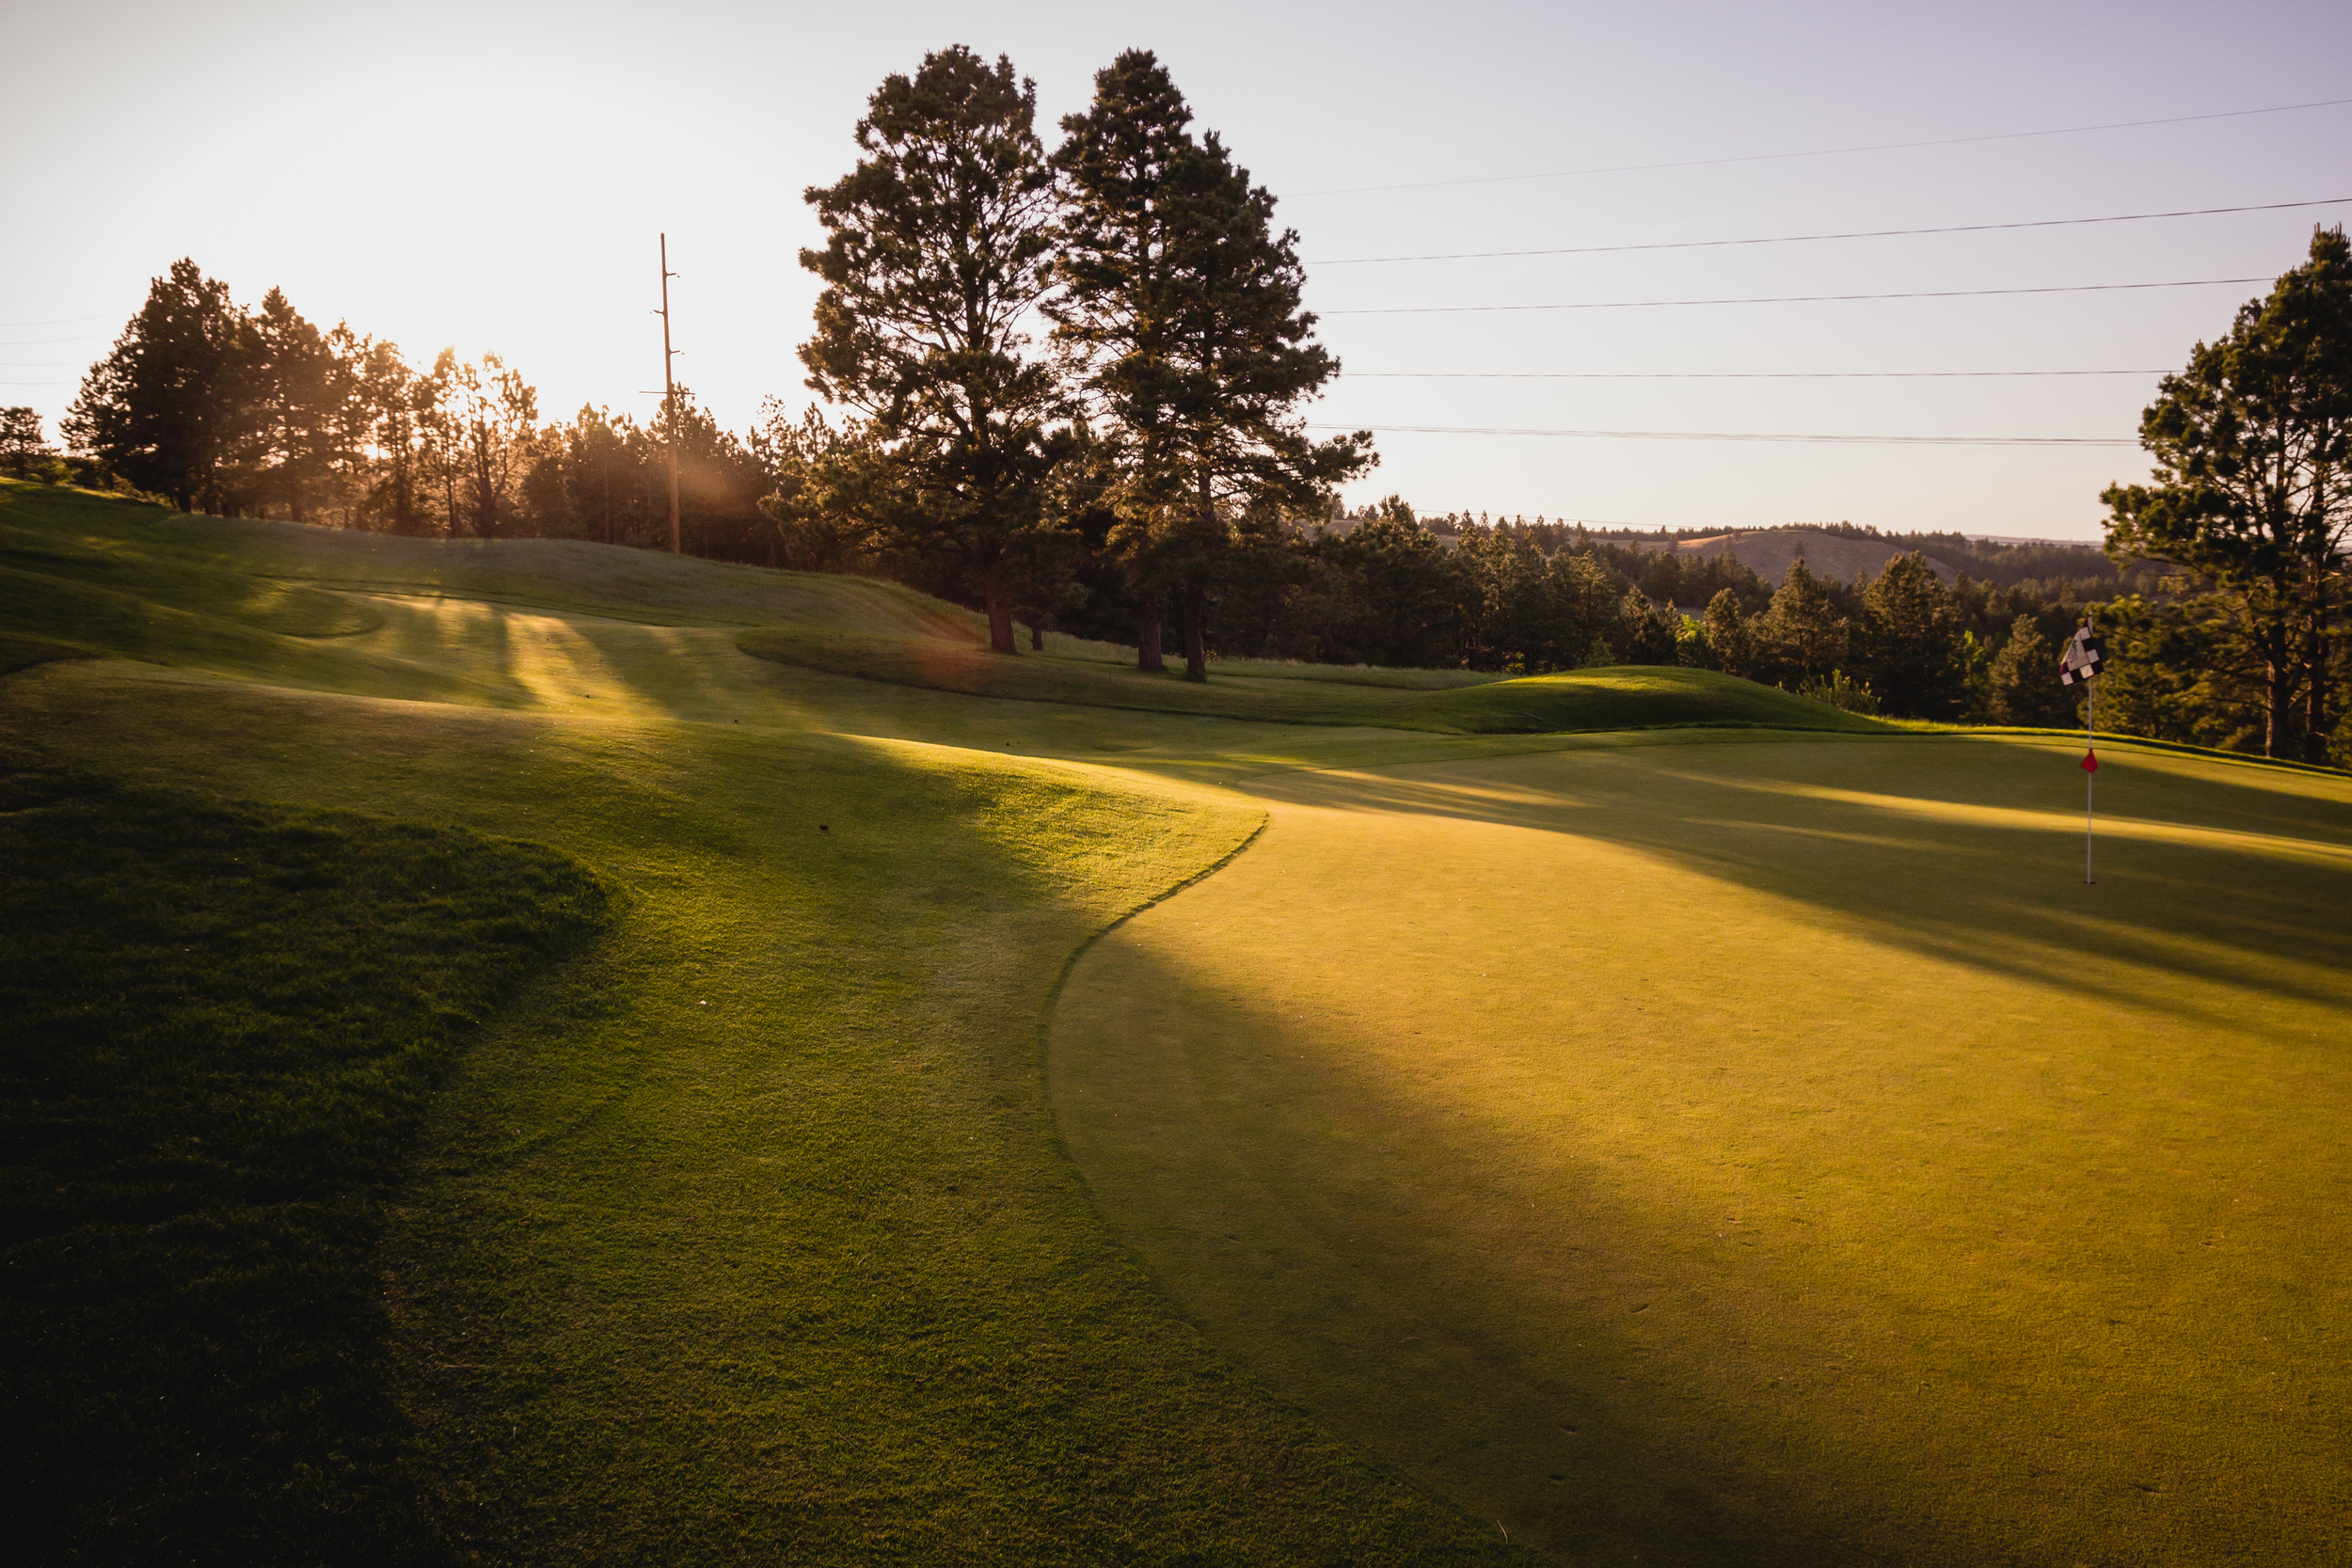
260,413
1393,592
1067,386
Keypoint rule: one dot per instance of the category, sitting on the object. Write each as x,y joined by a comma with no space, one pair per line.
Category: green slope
223,1020
1630,697
753,1237
755,1234
1768,1154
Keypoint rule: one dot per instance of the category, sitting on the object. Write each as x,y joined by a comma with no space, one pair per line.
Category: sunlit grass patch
1767,1153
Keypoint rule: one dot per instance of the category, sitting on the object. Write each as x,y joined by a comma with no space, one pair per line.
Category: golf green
1767,1152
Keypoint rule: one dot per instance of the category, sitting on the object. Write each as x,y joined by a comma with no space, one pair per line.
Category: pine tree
1912,652
2025,687
1181,301
1728,641
162,408
1806,636
938,244
2253,448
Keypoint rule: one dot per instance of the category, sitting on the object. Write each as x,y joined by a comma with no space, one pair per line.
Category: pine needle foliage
1181,301
938,244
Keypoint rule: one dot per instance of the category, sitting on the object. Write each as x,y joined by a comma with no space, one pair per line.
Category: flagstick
2090,780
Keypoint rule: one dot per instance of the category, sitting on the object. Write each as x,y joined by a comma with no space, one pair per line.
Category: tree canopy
1182,302
163,408
2252,443
938,244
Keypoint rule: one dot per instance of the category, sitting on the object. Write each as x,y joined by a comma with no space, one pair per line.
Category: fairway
1024,1111
1767,1152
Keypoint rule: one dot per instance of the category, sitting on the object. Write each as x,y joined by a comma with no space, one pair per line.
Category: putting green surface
1768,1152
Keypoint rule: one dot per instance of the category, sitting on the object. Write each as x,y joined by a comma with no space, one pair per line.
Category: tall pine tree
2252,446
1182,300
938,244
162,407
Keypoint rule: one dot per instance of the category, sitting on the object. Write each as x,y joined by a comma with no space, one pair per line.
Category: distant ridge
1769,553
2034,539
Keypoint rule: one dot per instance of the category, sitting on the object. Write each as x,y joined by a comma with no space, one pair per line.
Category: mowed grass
1769,1153
753,1233
92,574
751,1237
222,1024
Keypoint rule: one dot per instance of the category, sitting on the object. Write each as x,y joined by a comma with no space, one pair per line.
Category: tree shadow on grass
1358,1250
1974,856
1917,1340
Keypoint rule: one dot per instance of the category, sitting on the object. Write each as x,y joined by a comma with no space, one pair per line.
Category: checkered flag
2083,658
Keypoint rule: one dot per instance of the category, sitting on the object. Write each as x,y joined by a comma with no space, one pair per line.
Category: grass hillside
86,575
92,575
1632,697
751,1237
1769,552
1731,1142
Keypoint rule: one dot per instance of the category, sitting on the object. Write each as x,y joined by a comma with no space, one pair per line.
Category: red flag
2090,762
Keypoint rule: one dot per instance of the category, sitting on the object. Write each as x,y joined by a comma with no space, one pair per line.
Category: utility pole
669,391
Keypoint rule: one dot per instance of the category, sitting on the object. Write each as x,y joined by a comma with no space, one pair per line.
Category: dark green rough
222,1021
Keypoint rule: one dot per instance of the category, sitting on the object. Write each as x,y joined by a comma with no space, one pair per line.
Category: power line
42,343
62,320
1702,375
1834,151
1785,299
1856,234
1744,435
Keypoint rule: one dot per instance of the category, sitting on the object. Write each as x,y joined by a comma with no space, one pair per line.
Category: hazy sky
493,176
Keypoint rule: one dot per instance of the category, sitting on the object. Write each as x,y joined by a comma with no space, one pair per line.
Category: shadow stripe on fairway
1834,1243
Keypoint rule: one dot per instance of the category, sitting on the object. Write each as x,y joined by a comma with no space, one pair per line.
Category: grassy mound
751,1237
1623,697
269,575
223,1020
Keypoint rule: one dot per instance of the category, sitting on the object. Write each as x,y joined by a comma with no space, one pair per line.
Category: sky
494,177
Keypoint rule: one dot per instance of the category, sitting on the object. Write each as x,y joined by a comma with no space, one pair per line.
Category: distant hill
1829,555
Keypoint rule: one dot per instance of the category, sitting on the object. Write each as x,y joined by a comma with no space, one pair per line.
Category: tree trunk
2316,665
999,615
1196,593
2280,706
2315,695
1037,637
1150,635
1196,647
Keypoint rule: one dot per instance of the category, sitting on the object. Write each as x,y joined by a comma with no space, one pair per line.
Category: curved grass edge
1505,1551
228,1018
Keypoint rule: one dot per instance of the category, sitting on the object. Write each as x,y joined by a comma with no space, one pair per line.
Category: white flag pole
2081,663
2090,780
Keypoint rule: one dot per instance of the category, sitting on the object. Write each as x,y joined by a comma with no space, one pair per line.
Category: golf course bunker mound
1767,1151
